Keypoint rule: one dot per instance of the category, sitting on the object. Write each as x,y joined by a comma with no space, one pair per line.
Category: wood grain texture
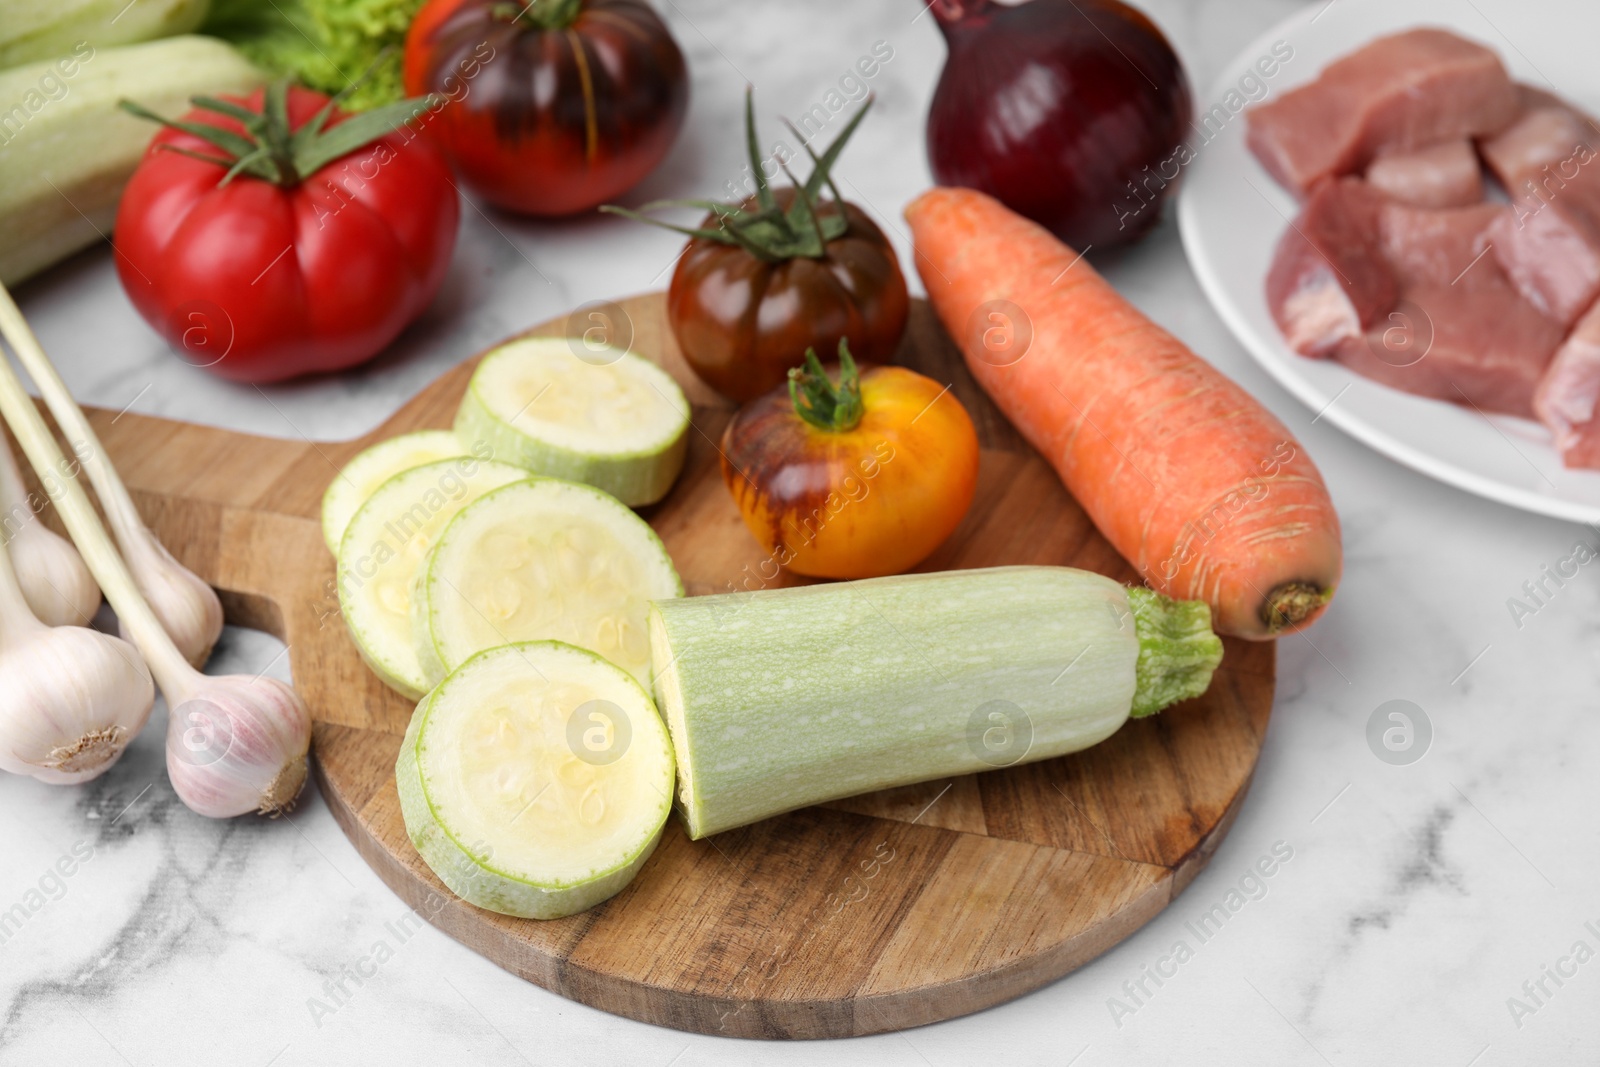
869,914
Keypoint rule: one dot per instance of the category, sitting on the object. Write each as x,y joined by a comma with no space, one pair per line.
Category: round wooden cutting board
876,913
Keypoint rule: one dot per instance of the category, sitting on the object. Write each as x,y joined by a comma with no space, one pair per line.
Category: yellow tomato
852,478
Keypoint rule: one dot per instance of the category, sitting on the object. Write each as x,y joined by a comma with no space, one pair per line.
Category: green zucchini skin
472,877
31,30
784,698
466,877
65,160
635,478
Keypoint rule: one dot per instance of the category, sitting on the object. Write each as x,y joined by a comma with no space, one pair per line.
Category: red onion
1071,112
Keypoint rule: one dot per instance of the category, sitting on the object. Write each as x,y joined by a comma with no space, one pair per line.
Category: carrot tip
1291,604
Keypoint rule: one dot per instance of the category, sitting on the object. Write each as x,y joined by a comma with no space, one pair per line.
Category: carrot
1194,482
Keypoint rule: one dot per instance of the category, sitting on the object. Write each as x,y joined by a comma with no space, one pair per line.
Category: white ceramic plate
1231,213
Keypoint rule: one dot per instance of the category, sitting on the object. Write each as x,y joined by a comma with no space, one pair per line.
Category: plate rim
1274,357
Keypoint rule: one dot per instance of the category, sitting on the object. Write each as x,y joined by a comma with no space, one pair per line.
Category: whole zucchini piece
783,698
67,149
31,30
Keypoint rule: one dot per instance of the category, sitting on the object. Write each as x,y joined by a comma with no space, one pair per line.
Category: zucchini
31,30
783,698
542,559
611,419
66,149
535,780
384,549
369,469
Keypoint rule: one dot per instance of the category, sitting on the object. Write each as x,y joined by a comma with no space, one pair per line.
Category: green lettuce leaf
326,45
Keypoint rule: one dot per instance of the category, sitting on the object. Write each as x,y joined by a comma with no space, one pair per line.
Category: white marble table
1418,898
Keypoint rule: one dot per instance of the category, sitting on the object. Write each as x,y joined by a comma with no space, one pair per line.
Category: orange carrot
1194,482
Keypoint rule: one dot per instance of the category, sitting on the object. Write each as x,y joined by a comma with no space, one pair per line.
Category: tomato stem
269,148
550,14
835,408
767,230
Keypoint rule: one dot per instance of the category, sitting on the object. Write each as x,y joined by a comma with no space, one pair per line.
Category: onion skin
1070,112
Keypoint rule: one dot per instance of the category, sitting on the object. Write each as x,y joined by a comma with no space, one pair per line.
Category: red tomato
554,107
259,281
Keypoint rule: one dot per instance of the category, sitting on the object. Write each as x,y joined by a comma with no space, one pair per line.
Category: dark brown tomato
549,119
743,323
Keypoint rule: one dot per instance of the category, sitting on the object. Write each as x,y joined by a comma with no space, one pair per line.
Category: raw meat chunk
1551,251
1565,398
1461,331
1484,348
1546,133
1328,280
1530,97
1398,93
1410,297
1440,175
1550,243
1445,246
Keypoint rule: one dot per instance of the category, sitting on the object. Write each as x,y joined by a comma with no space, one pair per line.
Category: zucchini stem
1177,650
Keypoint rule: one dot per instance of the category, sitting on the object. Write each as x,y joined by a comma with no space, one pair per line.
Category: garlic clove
72,700
187,607
237,744
55,582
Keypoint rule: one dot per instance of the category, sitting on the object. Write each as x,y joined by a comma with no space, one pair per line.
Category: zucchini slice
613,420
384,548
535,780
369,469
542,559
782,698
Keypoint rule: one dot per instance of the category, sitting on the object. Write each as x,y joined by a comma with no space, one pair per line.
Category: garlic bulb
70,698
234,744
187,607
237,744
57,586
